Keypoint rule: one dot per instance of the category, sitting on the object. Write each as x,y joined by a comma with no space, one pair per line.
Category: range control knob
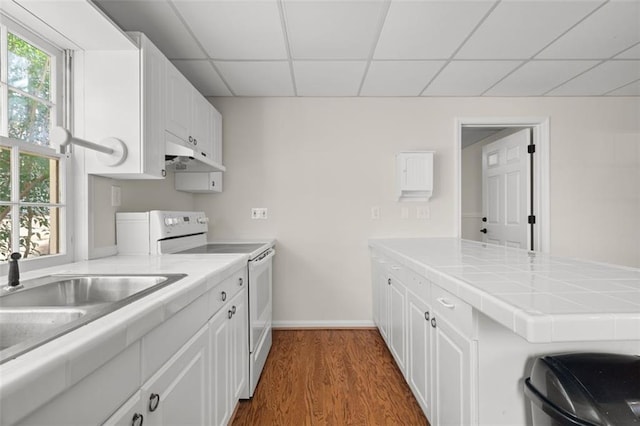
203,219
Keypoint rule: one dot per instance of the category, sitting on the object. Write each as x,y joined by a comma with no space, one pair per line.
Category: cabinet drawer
394,269
452,309
418,285
224,291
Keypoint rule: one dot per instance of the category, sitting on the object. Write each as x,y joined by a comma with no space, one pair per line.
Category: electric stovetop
224,248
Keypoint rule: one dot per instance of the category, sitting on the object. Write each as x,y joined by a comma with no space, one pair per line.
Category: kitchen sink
52,306
81,290
20,324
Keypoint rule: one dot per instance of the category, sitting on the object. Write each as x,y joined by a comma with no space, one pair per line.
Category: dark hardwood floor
330,377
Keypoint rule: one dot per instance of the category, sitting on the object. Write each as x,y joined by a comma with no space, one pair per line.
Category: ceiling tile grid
394,47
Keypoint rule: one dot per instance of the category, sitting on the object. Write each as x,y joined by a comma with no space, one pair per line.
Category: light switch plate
375,213
116,196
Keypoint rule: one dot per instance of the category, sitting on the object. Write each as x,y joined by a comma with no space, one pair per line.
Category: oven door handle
263,259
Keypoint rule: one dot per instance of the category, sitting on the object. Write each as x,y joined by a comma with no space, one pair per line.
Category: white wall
320,164
135,196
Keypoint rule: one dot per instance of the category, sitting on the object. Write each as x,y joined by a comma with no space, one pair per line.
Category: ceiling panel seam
455,52
285,34
573,78
505,76
620,87
184,22
570,28
376,39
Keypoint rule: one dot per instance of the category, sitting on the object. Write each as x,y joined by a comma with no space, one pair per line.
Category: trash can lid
600,388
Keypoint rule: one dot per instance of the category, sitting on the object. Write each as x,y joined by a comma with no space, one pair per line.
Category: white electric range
160,232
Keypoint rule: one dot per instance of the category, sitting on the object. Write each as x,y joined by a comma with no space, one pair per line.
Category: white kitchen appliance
159,232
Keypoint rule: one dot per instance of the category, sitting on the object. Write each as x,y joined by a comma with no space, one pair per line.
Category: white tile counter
38,375
540,297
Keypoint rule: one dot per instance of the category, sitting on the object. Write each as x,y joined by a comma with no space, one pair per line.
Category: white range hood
181,158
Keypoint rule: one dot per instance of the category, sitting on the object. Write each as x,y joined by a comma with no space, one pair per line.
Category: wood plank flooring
330,377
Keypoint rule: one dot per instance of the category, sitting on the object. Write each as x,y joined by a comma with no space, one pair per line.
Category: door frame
540,136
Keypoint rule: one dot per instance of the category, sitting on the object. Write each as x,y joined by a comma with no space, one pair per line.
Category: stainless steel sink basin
18,325
54,305
81,290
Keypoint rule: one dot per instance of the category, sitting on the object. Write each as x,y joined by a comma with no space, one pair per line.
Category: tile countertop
43,372
540,297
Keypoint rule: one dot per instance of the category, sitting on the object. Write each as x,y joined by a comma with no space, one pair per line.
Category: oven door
260,291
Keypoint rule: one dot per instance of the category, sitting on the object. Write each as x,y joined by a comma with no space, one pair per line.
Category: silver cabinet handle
137,419
223,296
229,314
445,303
426,316
389,281
154,401
233,309
240,281
433,322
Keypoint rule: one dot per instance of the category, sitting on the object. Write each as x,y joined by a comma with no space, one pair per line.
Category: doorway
482,211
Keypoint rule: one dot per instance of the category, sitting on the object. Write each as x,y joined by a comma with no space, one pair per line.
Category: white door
220,385
505,190
397,323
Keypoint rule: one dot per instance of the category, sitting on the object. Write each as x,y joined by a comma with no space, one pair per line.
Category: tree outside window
29,218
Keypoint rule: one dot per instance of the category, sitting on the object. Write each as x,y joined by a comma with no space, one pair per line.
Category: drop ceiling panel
469,78
236,30
632,89
536,78
203,76
332,29
631,53
610,30
602,79
428,30
265,78
158,21
326,78
399,78
519,29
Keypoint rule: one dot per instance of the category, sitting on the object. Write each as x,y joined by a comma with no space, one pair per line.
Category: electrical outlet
259,213
375,213
423,213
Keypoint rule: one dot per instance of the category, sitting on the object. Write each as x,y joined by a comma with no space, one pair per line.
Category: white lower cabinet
451,361
397,322
430,335
176,394
219,339
419,351
228,344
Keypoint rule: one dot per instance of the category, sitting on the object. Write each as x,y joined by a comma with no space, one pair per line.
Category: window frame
58,116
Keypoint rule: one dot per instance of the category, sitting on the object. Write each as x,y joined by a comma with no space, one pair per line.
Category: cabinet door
384,285
239,347
130,414
153,98
217,135
453,354
376,274
178,392
178,103
202,124
419,351
219,341
397,323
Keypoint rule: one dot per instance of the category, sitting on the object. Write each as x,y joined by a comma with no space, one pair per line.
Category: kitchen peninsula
465,320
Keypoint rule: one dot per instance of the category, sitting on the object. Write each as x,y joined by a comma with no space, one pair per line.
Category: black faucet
14,271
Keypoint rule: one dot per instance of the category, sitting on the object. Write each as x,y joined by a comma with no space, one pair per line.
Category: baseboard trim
283,325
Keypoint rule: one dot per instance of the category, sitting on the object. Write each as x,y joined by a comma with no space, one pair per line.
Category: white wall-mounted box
415,175
199,182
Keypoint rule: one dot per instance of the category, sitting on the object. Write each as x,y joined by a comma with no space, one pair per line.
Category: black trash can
585,389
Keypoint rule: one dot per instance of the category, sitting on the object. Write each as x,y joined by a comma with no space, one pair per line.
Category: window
32,194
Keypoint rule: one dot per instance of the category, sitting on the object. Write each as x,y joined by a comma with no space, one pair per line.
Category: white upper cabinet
190,119
122,96
415,175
